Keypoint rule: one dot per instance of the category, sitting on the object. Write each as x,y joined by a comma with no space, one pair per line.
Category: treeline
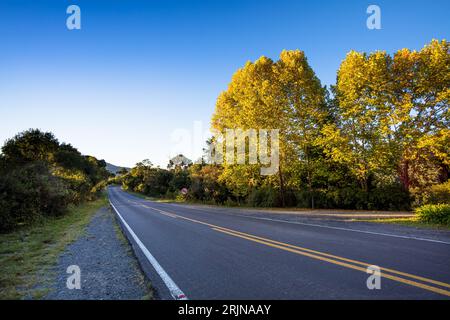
378,139
39,176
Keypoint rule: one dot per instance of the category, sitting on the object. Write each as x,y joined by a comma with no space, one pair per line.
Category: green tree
30,145
39,177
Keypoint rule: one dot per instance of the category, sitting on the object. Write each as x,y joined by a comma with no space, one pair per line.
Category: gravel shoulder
109,270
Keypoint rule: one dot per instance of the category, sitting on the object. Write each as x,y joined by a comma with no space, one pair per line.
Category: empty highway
216,253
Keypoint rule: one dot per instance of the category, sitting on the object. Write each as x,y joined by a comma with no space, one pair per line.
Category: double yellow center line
402,277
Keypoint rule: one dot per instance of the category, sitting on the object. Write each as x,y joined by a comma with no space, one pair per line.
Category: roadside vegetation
376,140
28,254
41,177
48,193
409,222
434,213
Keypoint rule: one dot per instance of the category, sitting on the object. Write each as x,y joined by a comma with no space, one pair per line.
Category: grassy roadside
410,222
27,255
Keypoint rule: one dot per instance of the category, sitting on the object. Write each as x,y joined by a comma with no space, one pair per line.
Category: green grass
27,255
410,222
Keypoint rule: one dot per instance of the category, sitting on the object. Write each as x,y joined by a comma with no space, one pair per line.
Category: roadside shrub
78,183
434,213
391,197
97,189
230,203
41,177
264,197
351,197
255,198
290,199
28,193
53,196
170,195
439,193
303,199
179,196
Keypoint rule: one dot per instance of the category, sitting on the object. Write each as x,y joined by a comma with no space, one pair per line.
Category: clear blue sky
138,70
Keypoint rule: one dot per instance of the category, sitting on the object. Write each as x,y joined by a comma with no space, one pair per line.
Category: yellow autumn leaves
384,112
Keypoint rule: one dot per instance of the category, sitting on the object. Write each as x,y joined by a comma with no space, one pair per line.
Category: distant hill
114,169
179,160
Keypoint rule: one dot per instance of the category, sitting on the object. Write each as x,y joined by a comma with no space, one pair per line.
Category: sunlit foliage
41,177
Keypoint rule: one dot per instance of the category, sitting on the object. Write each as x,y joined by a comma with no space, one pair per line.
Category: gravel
109,270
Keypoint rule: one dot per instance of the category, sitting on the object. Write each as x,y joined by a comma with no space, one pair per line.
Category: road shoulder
108,268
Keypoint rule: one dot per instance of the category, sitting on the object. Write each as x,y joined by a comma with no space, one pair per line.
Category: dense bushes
153,182
439,193
390,197
40,177
438,208
203,184
434,213
28,192
264,197
383,198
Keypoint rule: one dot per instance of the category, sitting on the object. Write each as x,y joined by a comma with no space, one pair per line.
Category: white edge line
346,229
328,227
175,291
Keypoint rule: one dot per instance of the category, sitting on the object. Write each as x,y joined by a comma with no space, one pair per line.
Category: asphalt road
218,254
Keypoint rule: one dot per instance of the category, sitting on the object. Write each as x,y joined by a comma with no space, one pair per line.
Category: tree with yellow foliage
284,95
392,115
421,98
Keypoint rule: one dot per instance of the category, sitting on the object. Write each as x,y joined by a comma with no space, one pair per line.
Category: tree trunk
404,174
283,202
310,189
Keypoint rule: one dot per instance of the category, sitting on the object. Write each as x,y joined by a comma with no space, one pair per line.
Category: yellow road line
343,264
321,255
439,283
